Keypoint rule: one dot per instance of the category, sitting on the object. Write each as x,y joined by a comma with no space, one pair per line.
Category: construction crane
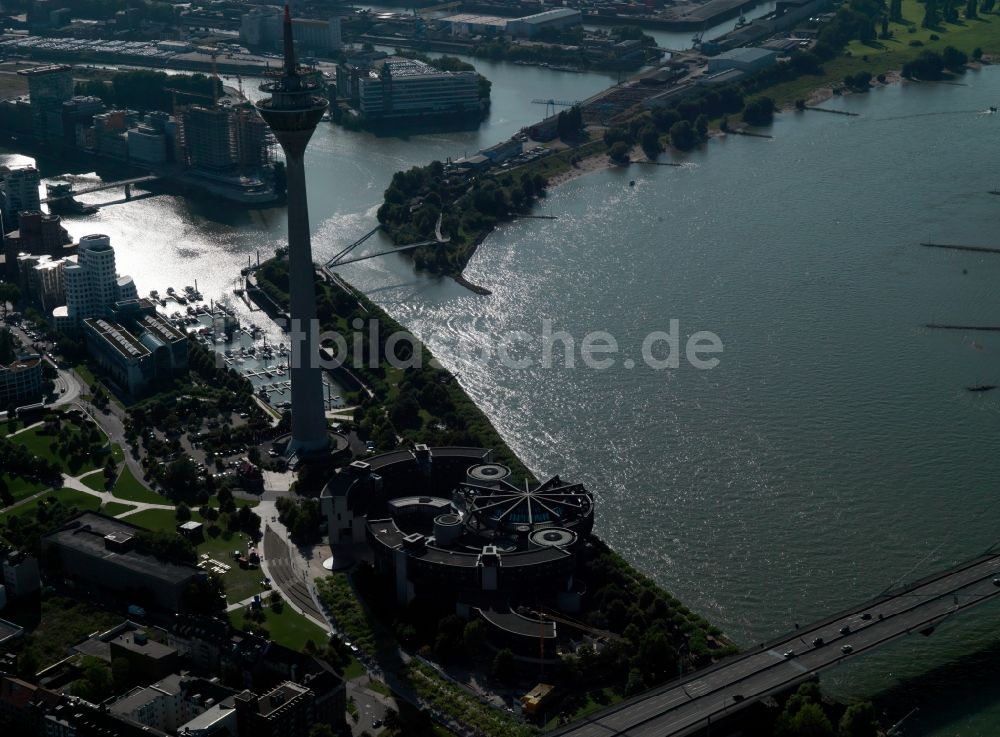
174,92
552,104
216,82
543,616
562,619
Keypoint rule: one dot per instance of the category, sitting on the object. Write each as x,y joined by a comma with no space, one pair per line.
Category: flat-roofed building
147,145
21,381
172,702
149,657
397,87
20,193
119,353
474,24
48,88
287,710
136,345
748,60
557,18
101,551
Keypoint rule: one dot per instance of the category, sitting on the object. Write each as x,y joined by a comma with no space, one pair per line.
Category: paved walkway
76,482
25,429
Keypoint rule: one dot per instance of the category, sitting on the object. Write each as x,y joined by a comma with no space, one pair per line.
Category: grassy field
240,583
94,480
289,628
72,497
881,56
159,520
19,488
41,446
127,487
113,509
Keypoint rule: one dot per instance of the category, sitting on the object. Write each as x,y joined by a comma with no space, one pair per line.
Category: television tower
294,108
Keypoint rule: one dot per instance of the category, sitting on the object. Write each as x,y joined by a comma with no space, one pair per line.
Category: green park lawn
20,488
94,480
113,509
129,488
289,628
240,584
881,56
70,497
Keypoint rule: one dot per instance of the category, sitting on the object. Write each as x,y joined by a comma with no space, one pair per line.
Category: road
284,566
690,704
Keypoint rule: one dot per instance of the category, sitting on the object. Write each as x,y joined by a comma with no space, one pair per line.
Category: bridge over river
695,701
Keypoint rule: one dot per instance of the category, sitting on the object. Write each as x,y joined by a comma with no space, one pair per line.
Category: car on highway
845,630
737,697
789,654
846,649
996,581
818,642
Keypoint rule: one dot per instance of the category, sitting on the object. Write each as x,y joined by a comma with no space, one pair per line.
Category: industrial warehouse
447,522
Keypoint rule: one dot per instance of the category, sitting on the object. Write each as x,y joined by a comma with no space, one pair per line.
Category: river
832,452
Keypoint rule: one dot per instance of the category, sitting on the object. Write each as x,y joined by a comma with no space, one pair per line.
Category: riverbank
453,418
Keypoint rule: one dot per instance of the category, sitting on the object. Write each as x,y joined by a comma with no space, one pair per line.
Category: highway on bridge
691,703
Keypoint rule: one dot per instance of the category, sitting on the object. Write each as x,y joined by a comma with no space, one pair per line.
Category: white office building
399,87
91,283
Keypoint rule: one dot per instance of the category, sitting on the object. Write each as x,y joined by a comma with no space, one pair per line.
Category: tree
649,139
569,122
635,683
657,657
682,136
701,125
95,682
321,730
474,637
858,721
811,721
183,512
9,292
954,59
931,15
970,10
759,111
618,153
503,665
896,11
181,477
927,66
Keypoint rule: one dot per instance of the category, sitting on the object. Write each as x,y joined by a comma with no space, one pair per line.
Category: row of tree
144,89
